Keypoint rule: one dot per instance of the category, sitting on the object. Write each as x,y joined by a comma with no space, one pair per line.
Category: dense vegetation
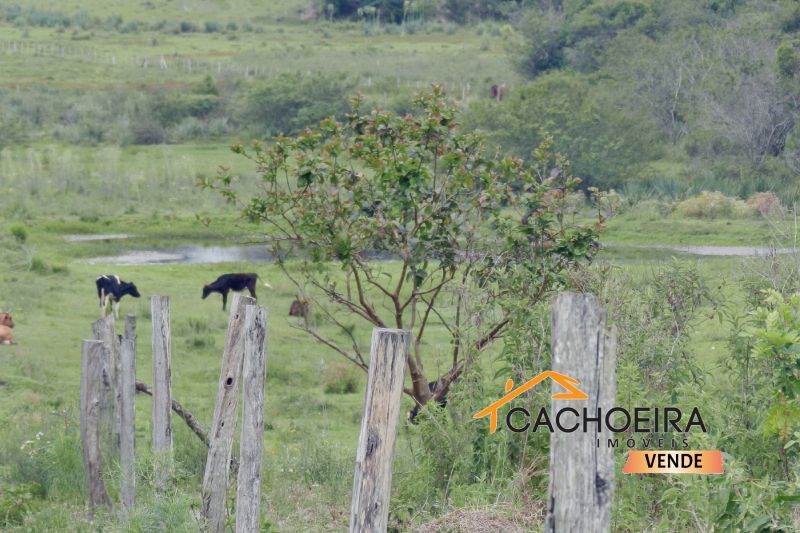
111,117
656,98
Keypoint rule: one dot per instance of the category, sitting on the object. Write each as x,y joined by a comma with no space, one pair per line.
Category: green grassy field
50,190
311,435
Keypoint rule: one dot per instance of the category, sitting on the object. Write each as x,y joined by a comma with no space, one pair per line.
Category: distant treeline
662,97
399,11
379,11
19,16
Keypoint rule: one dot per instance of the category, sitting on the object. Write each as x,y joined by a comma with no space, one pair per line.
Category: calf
232,282
6,325
112,289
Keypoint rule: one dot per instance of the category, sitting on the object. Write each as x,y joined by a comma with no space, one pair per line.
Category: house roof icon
567,382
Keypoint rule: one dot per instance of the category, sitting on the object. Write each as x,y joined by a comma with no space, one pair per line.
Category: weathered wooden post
104,330
162,378
127,355
251,441
91,383
223,425
581,472
372,483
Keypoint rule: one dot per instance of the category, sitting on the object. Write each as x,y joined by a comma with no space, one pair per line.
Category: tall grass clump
713,205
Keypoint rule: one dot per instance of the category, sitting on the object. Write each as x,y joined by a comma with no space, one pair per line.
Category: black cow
433,386
112,289
232,282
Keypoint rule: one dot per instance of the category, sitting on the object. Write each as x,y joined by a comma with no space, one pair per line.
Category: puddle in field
96,237
721,251
189,255
258,253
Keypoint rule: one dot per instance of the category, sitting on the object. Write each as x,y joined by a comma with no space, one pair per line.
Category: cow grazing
498,91
112,289
232,282
299,309
433,386
6,325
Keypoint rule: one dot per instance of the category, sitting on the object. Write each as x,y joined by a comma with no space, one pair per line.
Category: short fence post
127,355
372,482
104,330
251,441
162,377
223,425
91,382
581,472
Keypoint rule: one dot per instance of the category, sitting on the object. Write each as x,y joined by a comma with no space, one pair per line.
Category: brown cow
299,309
6,325
498,91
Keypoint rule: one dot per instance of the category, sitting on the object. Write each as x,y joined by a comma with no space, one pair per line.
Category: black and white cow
232,282
112,289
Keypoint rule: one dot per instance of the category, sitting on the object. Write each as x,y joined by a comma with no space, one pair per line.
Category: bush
212,27
291,102
19,232
714,205
148,132
765,204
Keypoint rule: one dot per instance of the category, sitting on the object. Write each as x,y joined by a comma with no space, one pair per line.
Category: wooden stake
91,380
251,442
581,472
372,483
223,425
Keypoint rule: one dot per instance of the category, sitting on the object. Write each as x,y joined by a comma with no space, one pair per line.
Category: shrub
212,26
148,132
714,205
291,102
19,232
765,204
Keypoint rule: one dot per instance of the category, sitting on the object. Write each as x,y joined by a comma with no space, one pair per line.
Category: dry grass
505,518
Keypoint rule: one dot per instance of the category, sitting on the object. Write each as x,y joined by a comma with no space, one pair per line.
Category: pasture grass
384,59
312,408
313,399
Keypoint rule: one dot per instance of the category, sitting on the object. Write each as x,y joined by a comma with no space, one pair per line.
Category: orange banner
673,462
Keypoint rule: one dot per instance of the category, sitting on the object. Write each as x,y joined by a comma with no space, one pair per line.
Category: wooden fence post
162,377
581,472
372,482
127,355
104,330
91,383
251,441
223,425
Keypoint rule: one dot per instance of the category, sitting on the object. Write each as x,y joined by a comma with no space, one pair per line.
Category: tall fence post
223,425
91,383
162,376
127,356
372,482
104,330
581,472
251,441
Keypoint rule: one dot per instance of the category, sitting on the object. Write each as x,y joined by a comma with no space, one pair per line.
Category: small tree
416,189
